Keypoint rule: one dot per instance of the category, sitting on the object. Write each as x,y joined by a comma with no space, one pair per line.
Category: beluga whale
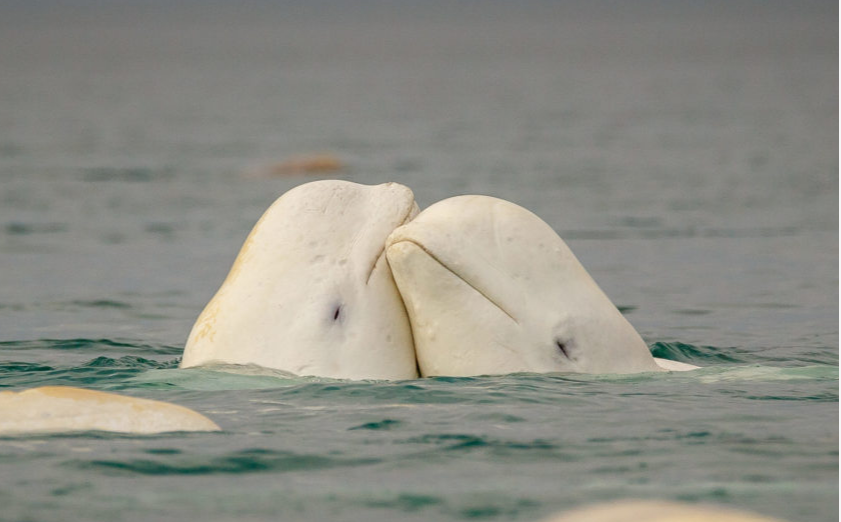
311,293
490,288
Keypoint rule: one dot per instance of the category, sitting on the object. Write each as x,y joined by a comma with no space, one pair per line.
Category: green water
511,447
687,152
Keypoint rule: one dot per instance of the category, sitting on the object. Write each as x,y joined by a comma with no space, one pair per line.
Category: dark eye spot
563,348
337,312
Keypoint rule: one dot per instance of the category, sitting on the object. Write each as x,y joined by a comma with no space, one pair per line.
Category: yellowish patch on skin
244,252
206,322
242,257
68,392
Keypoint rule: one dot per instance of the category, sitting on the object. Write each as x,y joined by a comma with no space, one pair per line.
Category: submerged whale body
491,289
656,511
59,409
310,292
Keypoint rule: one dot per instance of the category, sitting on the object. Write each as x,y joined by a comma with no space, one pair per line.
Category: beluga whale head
491,289
310,292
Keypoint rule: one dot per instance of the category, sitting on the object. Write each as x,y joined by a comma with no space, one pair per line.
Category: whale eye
337,312
563,347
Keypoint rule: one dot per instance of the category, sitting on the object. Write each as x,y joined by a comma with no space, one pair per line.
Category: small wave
706,356
459,442
128,361
93,345
460,506
245,461
383,425
101,372
698,355
12,367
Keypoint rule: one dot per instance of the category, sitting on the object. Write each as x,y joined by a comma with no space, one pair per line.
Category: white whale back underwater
656,511
62,409
310,292
490,289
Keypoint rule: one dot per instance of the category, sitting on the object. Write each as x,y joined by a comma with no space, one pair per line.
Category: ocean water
687,152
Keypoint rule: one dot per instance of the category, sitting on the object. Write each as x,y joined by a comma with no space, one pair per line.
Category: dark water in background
687,151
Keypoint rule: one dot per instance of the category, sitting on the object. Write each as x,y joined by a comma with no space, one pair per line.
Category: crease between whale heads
310,292
490,288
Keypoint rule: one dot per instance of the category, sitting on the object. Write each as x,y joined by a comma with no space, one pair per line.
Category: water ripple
246,461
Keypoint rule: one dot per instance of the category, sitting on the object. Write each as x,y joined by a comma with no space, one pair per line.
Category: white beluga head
491,289
311,292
